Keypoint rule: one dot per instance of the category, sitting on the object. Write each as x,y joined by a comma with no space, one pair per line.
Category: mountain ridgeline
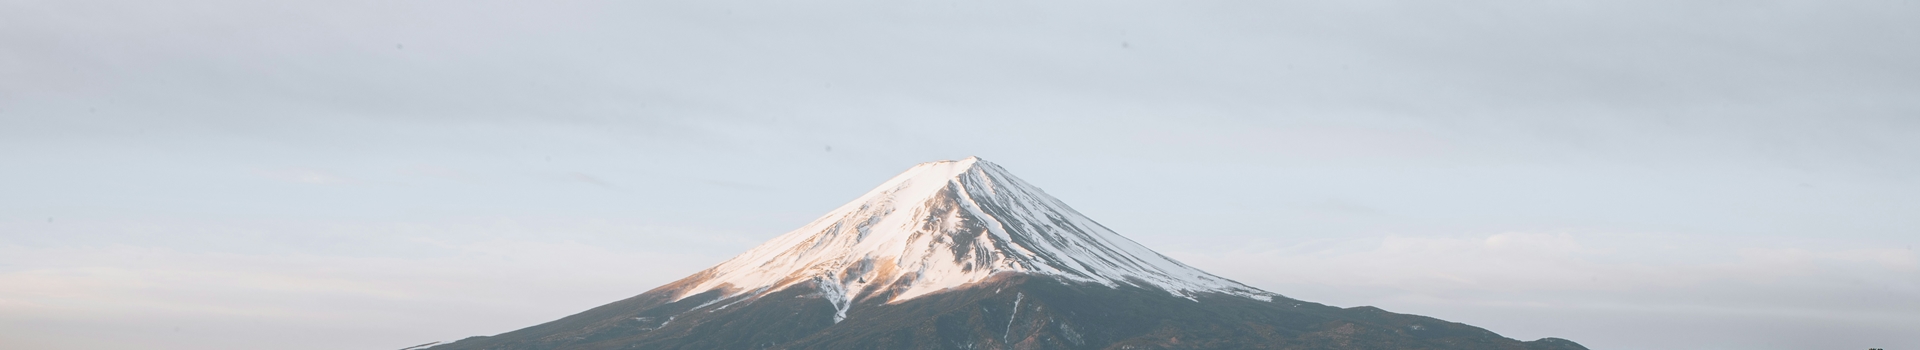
963,255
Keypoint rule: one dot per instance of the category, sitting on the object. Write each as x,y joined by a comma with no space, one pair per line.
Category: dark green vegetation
1011,311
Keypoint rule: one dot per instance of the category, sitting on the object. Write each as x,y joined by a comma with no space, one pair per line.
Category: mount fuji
963,255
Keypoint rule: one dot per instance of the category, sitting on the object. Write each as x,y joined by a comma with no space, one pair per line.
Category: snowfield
946,224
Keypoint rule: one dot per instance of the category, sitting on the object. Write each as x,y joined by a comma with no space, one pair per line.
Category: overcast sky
379,174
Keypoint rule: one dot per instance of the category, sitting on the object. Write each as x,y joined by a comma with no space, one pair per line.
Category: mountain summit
947,224
961,254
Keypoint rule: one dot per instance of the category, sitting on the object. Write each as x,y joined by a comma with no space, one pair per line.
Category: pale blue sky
1626,174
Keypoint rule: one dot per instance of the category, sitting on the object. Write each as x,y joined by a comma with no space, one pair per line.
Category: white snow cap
947,224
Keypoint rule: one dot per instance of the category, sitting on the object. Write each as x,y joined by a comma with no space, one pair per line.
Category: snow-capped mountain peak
947,224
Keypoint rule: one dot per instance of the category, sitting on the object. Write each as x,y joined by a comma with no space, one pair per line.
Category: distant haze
380,174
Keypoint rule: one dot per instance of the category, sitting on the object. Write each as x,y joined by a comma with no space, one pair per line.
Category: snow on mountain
961,254
947,224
